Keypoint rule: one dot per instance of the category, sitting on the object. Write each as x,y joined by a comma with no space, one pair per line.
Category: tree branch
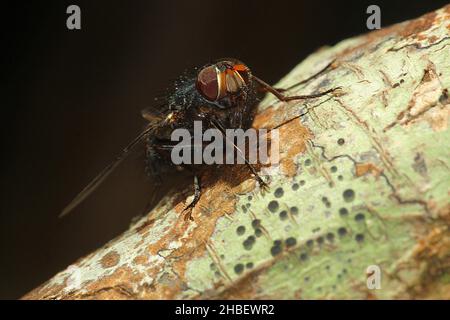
363,180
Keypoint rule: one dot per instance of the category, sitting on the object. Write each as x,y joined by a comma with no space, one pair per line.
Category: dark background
72,99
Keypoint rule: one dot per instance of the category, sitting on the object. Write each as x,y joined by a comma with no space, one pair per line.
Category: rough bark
367,169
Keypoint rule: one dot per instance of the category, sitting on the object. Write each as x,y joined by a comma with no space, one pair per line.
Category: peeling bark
363,180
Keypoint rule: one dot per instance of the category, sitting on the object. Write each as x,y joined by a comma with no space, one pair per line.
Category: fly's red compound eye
221,79
207,83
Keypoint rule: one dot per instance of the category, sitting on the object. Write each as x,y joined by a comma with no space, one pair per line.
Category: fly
222,95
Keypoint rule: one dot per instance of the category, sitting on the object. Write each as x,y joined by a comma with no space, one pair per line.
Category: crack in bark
395,194
418,46
121,289
308,109
387,161
216,258
405,116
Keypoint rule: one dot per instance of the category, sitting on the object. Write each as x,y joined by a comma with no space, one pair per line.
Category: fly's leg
263,185
328,66
279,93
276,92
197,189
197,193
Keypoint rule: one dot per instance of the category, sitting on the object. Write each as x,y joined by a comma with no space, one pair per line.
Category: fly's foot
262,184
187,211
190,207
337,92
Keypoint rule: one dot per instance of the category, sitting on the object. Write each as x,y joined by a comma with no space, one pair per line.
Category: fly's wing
105,173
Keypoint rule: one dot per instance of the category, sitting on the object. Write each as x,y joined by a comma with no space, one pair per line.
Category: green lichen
383,214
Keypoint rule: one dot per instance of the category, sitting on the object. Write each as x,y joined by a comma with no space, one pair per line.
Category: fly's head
222,91
224,82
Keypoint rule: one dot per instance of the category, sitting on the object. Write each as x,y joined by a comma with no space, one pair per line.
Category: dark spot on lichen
342,231
324,83
290,242
217,274
258,232
283,215
279,192
340,178
308,162
294,210
304,256
319,240
302,182
419,164
326,202
248,205
330,236
273,206
249,265
295,186
359,217
277,243
275,250
306,279
249,242
239,268
343,212
349,195
244,208
310,243
249,198
212,266
340,141
256,223
240,230
444,98
333,169
359,237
